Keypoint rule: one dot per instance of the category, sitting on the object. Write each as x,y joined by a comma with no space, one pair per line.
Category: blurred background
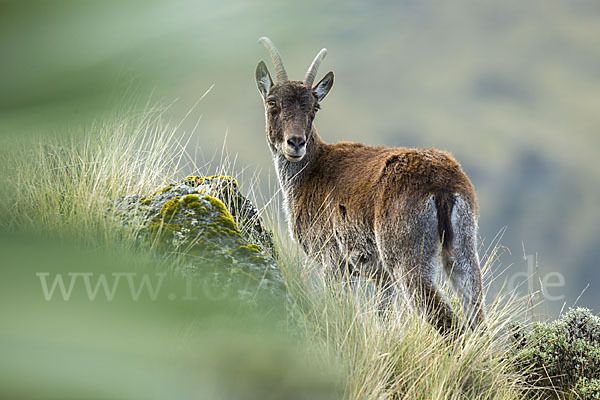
511,88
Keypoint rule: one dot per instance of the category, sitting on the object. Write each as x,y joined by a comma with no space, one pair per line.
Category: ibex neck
291,174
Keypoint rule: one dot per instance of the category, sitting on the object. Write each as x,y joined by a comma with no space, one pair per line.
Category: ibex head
290,106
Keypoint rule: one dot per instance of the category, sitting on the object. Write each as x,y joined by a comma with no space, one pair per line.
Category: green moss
165,189
162,232
192,202
221,229
197,180
251,248
190,198
225,219
252,253
170,208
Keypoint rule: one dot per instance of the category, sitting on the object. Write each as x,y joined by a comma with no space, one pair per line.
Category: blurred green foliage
511,88
184,343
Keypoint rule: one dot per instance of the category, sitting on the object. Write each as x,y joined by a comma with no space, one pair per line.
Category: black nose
297,142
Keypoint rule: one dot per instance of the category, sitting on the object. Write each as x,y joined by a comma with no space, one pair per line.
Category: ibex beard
386,212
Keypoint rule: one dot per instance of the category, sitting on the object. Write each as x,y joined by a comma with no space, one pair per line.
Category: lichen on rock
200,217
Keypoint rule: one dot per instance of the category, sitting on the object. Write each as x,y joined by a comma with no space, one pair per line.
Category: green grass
62,184
61,187
400,355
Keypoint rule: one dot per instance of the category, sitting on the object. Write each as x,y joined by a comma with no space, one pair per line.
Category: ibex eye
316,110
271,104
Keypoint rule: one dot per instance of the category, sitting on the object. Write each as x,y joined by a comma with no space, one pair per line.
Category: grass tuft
398,355
64,184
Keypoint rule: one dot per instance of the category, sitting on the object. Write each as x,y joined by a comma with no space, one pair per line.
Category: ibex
386,212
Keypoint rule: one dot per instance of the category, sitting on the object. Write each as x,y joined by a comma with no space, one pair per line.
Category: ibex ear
263,79
324,86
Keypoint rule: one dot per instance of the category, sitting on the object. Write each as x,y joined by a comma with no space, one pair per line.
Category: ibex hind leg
461,262
409,245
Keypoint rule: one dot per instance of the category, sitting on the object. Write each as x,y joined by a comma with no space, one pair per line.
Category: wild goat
384,212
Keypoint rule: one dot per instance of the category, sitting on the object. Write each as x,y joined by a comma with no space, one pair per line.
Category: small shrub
561,357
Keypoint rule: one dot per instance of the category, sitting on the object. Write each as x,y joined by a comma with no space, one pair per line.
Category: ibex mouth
293,158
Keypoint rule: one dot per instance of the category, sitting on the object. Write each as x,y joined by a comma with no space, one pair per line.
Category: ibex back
384,212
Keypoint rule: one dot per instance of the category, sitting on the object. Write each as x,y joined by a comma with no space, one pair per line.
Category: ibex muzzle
388,213
295,146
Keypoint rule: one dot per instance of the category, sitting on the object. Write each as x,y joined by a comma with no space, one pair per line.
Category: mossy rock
242,210
191,218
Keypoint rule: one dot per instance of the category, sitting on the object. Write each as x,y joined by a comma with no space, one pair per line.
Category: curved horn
280,73
309,78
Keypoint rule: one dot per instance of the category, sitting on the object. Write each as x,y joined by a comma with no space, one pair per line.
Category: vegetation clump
563,356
